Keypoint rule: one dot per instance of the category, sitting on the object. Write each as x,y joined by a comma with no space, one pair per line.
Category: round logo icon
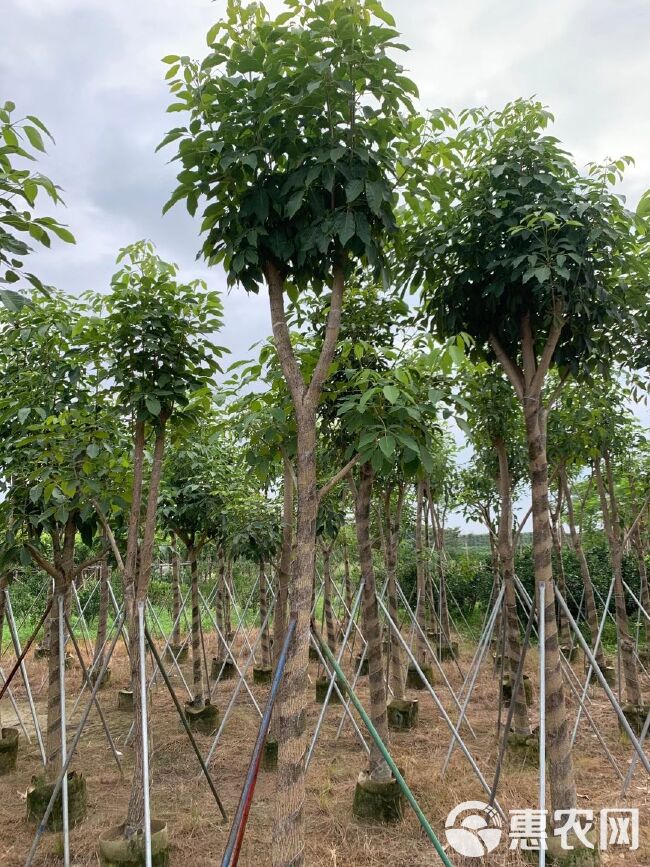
475,834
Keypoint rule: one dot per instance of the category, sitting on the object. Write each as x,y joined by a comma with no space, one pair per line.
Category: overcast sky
91,70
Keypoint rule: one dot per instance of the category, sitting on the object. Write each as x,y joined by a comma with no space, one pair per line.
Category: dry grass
181,796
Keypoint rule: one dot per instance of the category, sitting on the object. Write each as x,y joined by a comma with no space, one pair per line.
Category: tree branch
45,565
91,561
511,370
549,348
109,535
331,336
281,335
333,482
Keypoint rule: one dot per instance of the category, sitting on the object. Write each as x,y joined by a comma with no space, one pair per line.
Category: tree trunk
102,617
284,568
378,769
392,527
137,574
265,646
562,782
53,738
222,648
614,534
644,596
590,599
288,841
327,597
421,648
197,665
556,535
520,718
4,582
176,594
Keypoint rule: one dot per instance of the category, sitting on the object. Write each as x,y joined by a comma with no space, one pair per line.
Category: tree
152,332
194,481
533,259
19,192
55,457
292,144
495,423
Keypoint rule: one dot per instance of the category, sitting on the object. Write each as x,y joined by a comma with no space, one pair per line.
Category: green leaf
391,393
374,195
354,189
387,445
153,405
92,450
23,413
35,138
347,231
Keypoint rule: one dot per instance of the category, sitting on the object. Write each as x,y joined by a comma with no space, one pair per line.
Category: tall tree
537,262
292,143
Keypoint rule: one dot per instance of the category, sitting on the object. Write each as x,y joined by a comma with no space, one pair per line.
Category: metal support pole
186,726
610,695
601,627
330,687
486,644
541,620
20,657
387,756
64,789
443,712
88,682
42,825
145,736
231,855
15,707
633,761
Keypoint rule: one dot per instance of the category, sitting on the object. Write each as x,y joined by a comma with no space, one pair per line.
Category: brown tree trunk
378,769
102,617
421,648
288,837
613,531
197,665
520,718
288,843
556,535
222,648
176,593
392,523
562,782
326,551
265,646
644,596
137,574
590,599
284,569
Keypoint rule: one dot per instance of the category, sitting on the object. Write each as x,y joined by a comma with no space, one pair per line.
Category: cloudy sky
91,70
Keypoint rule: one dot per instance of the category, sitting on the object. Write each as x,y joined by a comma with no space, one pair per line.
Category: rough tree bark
137,574
102,617
420,604
614,533
521,721
378,768
528,385
326,551
176,593
265,644
284,568
590,598
392,523
288,838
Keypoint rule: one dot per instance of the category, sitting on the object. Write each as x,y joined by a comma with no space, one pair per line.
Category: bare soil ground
181,797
